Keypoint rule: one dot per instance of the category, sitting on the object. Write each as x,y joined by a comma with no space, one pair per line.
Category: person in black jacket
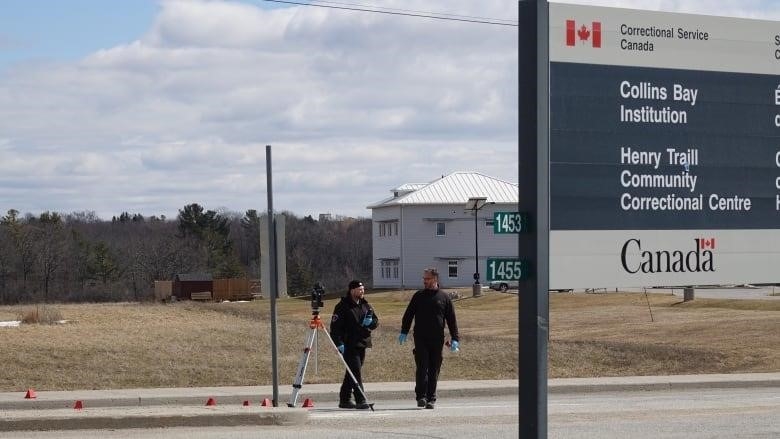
350,328
430,308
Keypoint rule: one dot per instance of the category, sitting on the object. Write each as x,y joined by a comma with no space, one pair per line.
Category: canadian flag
705,243
583,33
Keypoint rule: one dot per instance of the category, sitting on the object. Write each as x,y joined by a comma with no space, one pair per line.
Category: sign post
533,184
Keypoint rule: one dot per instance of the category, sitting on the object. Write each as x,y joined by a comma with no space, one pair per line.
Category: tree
50,248
210,232
250,244
101,264
23,238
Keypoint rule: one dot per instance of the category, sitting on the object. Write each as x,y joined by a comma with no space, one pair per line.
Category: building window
489,223
452,269
441,229
388,228
389,269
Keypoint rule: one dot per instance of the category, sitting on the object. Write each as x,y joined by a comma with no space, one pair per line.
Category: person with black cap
350,328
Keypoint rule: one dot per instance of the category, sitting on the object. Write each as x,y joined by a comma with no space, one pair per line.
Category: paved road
453,418
688,413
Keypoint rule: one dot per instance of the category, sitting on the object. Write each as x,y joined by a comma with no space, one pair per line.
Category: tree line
79,257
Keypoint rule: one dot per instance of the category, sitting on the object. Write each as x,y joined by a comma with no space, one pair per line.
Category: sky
145,106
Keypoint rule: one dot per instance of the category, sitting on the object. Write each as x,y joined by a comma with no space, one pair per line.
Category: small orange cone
246,403
211,401
308,403
266,403
30,394
78,405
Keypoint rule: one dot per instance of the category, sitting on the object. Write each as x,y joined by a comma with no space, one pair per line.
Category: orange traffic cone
266,403
30,394
78,405
211,401
308,403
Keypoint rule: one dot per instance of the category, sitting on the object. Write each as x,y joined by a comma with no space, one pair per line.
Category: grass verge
185,344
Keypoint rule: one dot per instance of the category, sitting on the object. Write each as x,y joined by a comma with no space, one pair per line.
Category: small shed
185,284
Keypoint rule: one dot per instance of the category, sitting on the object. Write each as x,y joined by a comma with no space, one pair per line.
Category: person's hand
454,346
340,348
368,320
401,338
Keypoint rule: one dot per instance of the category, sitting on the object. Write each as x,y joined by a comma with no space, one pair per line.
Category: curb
149,417
52,400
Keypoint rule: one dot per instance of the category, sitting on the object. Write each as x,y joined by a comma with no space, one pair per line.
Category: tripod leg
298,382
349,371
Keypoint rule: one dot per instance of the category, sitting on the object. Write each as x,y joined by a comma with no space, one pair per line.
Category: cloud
353,103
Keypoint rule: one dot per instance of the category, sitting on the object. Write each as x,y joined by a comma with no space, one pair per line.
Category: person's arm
337,326
452,322
406,320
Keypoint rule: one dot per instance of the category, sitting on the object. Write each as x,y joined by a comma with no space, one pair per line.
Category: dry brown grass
41,314
210,344
613,334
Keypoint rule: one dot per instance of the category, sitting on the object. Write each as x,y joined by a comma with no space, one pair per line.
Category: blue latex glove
340,348
401,338
454,346
368,320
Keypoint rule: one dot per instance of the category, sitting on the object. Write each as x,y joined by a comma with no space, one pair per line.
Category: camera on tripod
316,296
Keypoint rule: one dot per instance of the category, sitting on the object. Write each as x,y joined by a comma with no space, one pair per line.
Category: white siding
417,246
385,247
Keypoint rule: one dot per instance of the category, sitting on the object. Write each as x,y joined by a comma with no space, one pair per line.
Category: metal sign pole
272,280
533,184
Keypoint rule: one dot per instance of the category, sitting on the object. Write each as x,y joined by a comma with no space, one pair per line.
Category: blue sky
66,30
146,106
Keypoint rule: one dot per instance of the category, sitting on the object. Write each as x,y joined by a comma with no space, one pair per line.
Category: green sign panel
507,269
510,222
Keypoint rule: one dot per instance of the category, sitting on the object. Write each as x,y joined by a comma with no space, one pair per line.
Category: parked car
503,285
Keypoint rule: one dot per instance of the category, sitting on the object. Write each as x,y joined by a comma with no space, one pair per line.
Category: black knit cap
355,284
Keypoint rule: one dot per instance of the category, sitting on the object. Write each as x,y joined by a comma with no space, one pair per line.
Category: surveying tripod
314,324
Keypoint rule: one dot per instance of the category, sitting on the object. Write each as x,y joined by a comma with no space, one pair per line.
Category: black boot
346,404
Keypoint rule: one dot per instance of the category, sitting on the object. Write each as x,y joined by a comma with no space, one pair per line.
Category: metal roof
457,188
194,277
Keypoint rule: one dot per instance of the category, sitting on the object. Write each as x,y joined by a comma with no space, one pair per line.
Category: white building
426,225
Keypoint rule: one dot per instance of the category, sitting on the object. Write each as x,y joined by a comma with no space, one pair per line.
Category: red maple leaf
583,33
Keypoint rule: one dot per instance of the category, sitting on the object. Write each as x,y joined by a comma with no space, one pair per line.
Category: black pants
427,358
354,358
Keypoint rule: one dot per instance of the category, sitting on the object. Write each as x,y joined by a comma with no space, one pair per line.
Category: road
697,413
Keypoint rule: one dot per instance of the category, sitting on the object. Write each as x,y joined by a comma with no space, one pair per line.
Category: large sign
664,148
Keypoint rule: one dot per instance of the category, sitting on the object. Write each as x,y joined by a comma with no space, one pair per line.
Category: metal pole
272,289
476,247
533,184
476,289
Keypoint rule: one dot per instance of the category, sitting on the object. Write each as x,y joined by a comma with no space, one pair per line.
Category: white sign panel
664,148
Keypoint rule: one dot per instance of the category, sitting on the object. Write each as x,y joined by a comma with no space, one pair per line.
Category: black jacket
346,325
430,309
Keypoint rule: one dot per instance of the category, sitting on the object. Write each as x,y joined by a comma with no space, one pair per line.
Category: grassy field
131,345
